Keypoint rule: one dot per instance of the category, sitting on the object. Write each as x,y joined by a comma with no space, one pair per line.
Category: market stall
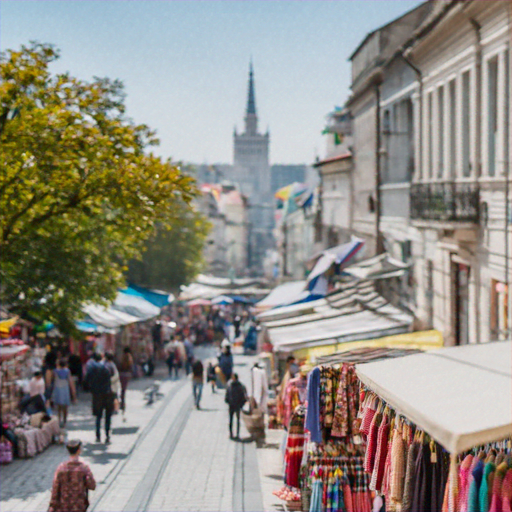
439,425
23,435
324,457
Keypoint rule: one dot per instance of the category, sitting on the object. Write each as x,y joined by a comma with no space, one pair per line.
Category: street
167,456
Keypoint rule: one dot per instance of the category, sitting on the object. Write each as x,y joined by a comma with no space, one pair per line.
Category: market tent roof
92,327
461,396
199,302
339,255
379,267
108,317
349,299
358,326
200,290
286,293
157,298
135,306
223,299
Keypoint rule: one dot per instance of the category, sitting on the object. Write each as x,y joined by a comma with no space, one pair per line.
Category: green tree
172,257
79,191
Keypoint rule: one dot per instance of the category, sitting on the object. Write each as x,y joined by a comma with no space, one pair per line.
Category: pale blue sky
185,63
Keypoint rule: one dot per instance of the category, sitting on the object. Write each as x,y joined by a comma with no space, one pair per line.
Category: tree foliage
79,191
172,256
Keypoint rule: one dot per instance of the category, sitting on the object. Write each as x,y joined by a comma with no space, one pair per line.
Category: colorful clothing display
413,473
295,446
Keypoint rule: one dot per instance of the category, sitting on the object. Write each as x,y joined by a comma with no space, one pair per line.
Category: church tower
251,150
252,171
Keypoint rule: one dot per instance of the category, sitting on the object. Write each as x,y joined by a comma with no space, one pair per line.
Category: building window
440,124
492,115
466,165
499,310
453,128
506,111
430,136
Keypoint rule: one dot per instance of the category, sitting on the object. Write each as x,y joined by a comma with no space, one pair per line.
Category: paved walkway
166,457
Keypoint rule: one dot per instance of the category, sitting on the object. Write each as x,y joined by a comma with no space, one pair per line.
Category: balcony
445,202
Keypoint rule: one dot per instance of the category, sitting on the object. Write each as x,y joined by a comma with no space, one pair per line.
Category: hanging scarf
397,477
380,455
371,448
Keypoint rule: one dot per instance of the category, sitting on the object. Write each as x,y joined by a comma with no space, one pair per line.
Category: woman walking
125,374
63,391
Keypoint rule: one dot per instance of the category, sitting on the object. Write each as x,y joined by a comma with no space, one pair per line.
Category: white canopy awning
109,317
355,326
461,396
135,306
285,293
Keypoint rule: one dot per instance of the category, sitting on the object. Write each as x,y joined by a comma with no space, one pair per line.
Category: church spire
251,118
251,101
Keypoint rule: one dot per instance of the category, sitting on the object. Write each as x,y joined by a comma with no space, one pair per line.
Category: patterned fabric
380,455
71,483
345,422
371,448
295,447
291,401
367,419
397,476
328,387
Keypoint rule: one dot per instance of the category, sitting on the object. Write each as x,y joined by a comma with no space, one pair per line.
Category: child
72,482
210,376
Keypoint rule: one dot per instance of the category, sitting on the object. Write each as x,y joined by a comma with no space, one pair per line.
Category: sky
185,63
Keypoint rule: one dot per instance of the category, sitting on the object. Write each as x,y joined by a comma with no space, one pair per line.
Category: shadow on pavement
122,431
275,477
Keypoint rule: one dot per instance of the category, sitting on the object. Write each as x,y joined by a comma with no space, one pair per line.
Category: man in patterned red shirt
72,482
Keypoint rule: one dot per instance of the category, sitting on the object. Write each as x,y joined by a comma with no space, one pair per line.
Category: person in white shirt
36,385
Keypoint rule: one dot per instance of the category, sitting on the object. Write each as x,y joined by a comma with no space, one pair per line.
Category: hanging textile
313,410
295,446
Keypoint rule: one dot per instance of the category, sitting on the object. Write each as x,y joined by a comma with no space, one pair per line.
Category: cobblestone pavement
165,457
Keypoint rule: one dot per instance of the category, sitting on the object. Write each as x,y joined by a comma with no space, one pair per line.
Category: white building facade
461,195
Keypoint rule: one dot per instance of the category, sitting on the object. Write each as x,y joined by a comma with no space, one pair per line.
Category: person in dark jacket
236,396
98,381
226,363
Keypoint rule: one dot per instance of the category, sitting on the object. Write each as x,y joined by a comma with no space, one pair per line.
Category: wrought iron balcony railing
445,201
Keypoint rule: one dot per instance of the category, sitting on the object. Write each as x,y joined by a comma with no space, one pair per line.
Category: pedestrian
189,352
180,355
210,375
115,381
72,482
197,381
171,360
226,363
98,381
63,391
125,375
75,367
236,396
